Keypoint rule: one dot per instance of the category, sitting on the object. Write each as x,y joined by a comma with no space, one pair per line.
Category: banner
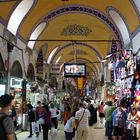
80,82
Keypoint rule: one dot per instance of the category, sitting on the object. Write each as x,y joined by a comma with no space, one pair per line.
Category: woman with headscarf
93,112
48,123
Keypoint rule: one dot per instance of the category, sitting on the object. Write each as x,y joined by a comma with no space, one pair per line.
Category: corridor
95,133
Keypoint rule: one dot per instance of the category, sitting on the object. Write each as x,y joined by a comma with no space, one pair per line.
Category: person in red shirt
101,112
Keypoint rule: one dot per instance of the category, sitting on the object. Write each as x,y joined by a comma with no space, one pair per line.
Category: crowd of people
120,121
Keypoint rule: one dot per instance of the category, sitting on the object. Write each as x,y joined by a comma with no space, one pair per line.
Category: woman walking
47,125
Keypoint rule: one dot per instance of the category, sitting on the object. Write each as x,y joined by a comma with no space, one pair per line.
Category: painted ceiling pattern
76,30
58,23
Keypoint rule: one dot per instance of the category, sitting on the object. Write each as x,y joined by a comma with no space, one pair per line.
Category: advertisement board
16,83
2,89
74,70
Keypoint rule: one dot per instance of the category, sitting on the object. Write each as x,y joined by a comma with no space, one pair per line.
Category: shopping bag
53,133
41,121
35,127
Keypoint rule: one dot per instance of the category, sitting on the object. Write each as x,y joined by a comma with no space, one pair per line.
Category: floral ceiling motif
80,52
76,30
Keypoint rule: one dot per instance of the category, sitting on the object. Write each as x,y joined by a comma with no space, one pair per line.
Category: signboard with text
16,83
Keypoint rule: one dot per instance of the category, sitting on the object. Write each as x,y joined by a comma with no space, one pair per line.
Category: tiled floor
95,133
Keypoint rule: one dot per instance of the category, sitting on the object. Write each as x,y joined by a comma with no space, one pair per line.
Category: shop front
136,84
16,92
2,77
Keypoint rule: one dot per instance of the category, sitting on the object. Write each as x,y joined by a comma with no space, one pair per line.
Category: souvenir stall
34,93
16,92
109,90
123,75
136,84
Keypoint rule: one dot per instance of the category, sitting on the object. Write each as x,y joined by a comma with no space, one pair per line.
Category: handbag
78,121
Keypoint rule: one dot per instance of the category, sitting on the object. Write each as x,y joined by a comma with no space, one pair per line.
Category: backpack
2,130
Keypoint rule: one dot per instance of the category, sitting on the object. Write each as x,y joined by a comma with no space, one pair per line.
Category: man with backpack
7,130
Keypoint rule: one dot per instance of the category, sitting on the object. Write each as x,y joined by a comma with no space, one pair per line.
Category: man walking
7,130
108,117
82,118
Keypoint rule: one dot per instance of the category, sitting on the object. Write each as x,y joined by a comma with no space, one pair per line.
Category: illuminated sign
2,89
16,83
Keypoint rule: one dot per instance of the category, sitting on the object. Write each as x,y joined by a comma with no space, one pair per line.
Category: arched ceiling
74,25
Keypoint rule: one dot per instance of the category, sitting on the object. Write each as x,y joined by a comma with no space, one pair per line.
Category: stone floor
95,133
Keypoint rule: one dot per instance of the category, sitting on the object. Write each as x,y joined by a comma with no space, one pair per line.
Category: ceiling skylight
121,26
51,55
17,16
36,34
137,3
58,59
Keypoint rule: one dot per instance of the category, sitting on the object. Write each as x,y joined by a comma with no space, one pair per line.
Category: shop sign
28,86
2,89
16,83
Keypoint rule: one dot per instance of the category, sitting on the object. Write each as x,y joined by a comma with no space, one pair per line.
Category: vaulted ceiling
58,22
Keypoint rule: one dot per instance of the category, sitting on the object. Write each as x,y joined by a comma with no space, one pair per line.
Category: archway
31,73
2,68
16,70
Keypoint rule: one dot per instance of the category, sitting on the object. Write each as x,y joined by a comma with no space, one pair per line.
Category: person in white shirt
68,128
54,113
82,118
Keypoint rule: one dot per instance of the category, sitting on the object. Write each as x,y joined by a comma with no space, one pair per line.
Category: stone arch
83,44
2,67
16,70
31,72
116,17
39,65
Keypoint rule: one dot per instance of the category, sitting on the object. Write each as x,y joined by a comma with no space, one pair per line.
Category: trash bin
25,122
